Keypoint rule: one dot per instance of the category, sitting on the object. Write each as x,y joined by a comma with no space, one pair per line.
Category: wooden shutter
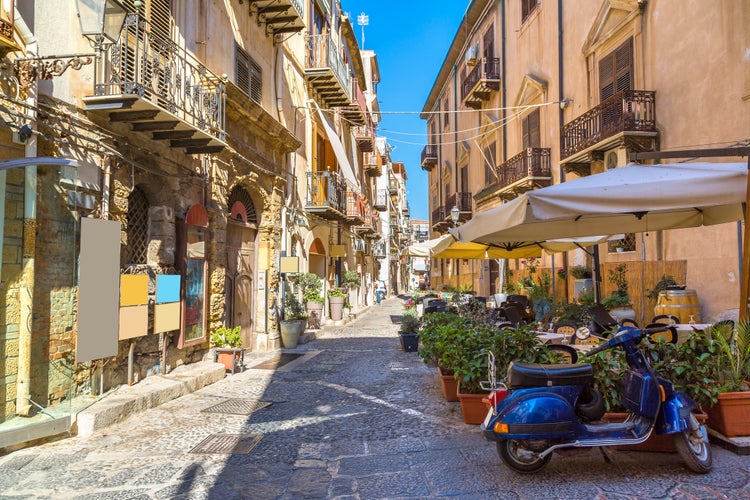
489,42
530,130
464,180
616,71
527,7
256,82
158,13
489,164
248,75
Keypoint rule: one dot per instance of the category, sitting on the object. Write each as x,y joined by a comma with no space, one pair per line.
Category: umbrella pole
745,282
597,276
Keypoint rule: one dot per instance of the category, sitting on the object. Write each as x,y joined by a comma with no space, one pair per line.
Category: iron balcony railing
381,198
626,111
429,155
322,53
325,189
531,162
461,200
355,208
157,69
487,69
439,215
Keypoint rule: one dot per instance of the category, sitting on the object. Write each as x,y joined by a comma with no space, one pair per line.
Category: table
551,337
684,330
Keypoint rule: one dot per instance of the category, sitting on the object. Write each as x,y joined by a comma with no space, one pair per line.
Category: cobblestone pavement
354,417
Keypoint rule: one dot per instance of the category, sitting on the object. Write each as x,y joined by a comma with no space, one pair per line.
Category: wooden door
240,274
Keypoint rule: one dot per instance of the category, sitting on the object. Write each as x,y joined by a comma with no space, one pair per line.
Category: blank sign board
99,290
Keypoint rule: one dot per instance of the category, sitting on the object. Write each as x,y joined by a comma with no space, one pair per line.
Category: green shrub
409,321
226,337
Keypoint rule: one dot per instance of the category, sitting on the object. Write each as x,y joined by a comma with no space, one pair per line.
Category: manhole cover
237,406
277,362
228,444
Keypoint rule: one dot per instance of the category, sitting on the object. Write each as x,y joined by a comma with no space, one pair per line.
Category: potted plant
350,282
582,280
311,286
227,344
541,297
294,322
618,303
336,300
409,330
732,370
439,335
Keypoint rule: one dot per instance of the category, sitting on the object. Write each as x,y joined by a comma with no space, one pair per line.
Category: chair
520,299
665,319
604,323
669,336
569,355
591,340
513,313
567,329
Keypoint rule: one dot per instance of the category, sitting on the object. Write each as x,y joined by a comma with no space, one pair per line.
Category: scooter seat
537,375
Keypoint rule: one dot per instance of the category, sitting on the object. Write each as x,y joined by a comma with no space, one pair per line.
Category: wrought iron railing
439,215
429,154
299,6
363,133
487,69
461,200
381,198
325,189
531,162
626,111
354,205
157,69
323,53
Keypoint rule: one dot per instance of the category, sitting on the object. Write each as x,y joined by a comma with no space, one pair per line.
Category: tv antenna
363,20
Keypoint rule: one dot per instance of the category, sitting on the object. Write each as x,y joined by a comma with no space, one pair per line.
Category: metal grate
237,406
228,444
137,231
277,362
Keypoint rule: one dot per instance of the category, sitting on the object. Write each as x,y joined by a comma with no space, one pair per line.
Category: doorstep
738,445
148,393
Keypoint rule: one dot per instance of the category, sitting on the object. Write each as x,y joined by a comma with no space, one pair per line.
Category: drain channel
237,406
228,444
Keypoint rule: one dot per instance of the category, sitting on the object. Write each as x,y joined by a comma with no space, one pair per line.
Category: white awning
338,149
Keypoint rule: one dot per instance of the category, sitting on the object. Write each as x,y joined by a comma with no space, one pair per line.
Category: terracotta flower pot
474,407
449,385
337,307
729,415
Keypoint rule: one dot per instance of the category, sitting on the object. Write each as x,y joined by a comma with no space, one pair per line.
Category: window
527,7
488,159
531,132
137,228
446,115
489,42
158,13
616,71
248,75
464,179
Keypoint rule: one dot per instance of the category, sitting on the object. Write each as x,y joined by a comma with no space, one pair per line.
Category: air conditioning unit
472,55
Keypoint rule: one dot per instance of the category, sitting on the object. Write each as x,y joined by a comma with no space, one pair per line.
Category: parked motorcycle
540,409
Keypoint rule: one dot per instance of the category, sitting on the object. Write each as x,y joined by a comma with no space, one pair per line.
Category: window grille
137,228
240,194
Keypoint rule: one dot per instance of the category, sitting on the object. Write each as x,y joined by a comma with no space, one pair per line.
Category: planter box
729,415
474,407
449,385
409,341
232,358
663,443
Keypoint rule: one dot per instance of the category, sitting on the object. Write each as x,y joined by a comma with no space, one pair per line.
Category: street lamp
455,213
101,20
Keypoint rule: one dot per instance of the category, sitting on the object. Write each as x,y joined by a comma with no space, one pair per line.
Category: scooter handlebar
615,341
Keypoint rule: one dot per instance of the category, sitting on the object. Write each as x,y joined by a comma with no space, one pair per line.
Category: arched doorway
317,258
242,226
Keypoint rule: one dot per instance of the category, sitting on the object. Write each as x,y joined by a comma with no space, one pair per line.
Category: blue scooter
541,409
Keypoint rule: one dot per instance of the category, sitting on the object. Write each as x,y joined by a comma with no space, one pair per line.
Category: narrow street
351,417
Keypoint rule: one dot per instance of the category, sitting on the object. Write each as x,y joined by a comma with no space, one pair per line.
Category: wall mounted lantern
101,20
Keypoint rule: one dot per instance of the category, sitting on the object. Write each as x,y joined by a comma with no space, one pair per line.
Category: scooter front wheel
695,450
520,457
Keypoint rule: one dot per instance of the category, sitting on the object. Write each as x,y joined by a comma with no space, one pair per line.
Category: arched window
137,232
241,206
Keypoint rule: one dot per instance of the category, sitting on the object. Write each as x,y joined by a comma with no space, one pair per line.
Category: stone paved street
354,417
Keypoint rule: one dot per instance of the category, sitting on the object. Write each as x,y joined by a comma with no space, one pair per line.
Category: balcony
373,164
365,138
393,187
381,200
627,118
155,86
429,157
355,208
326,74
279,16
530,169
356,111
478,85
439,219
326,195
463,202
369,222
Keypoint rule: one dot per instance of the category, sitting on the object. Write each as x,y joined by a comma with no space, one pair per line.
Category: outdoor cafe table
551,337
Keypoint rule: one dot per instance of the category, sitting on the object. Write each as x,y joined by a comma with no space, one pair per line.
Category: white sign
261,281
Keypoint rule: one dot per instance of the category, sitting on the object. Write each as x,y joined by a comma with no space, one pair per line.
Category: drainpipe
502,80
561,115
26,293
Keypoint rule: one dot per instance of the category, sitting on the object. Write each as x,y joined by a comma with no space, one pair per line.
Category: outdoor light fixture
101,20
455,213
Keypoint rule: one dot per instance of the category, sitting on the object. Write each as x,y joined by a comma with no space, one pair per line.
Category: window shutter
616,71
525,133
489,42
242,70
256,82
489,164
606,78
531,131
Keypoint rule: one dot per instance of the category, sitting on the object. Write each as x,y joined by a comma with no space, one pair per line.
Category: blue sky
410,39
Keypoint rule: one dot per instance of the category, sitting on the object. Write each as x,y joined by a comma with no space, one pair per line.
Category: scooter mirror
582,333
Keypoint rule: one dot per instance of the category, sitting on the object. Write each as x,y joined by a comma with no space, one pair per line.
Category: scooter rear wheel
516,455
694,450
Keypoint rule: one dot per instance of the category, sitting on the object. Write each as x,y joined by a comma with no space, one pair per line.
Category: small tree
311,286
